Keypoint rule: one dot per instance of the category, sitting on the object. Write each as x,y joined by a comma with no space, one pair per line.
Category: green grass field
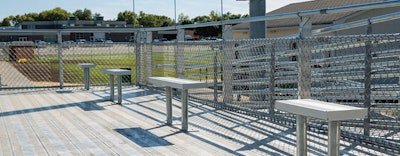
162,65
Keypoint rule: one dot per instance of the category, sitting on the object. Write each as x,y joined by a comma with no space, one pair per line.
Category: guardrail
243,75
247,76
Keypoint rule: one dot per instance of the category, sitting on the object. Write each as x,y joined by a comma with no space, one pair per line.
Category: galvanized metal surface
84,123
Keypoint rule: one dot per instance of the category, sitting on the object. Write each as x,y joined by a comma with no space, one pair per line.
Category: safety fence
246,76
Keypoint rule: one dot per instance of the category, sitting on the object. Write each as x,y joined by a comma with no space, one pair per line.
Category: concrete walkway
11,77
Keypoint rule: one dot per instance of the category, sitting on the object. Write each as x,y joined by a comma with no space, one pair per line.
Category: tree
184,19
213,31
97,14
149,20
165,21
6,22
127,16
201,19
55,14
213,16
30,17
84,14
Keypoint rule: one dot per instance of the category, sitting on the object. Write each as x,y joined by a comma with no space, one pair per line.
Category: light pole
175,12
222,19
257,8
134,18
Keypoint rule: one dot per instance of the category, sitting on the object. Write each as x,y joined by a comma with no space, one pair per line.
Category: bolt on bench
183,85
119,73
331,112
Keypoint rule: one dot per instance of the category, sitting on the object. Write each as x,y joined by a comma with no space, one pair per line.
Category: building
82,31
289,26
71,24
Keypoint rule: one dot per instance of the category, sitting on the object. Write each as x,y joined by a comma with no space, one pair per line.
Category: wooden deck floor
85,123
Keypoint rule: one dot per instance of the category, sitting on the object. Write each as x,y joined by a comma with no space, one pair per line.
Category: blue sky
110,8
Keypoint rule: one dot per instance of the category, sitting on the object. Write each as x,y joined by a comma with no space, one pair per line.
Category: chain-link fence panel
246,75
164,62
249,75
28,65
360,71
202,62
103,55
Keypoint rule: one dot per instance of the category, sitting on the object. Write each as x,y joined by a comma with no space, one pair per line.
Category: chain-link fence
29,65
247,76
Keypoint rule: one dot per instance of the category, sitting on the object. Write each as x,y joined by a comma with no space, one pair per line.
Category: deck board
86,123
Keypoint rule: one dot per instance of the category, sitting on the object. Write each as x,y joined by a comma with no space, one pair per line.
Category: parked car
41,44
80,41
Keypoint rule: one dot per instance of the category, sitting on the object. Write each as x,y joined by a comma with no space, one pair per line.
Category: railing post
333,138
149,54
60,60
304,83
272,81
0,83
180,61
367,81
228,56
215,78
301,135
304,60
138,60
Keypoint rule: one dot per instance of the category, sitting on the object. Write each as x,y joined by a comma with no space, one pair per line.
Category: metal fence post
304,82
60,60
304,60
138,60
215,78
227,58
272,81
227,74
180,60
367,81
149,54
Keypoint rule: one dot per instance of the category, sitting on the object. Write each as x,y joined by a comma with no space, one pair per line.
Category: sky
110,8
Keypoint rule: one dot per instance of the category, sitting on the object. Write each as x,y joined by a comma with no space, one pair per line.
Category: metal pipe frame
376,5
301,135
119,78
184,98
87,78
60,58
168,91
112,87
333,138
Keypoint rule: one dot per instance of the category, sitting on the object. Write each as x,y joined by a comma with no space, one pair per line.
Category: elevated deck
85,123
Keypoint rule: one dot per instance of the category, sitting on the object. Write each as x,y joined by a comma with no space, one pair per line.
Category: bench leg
86,78
169,105
184,99
301,135
112,87
119,89
333,138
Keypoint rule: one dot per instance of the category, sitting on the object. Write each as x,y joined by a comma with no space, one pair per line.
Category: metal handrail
376,5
